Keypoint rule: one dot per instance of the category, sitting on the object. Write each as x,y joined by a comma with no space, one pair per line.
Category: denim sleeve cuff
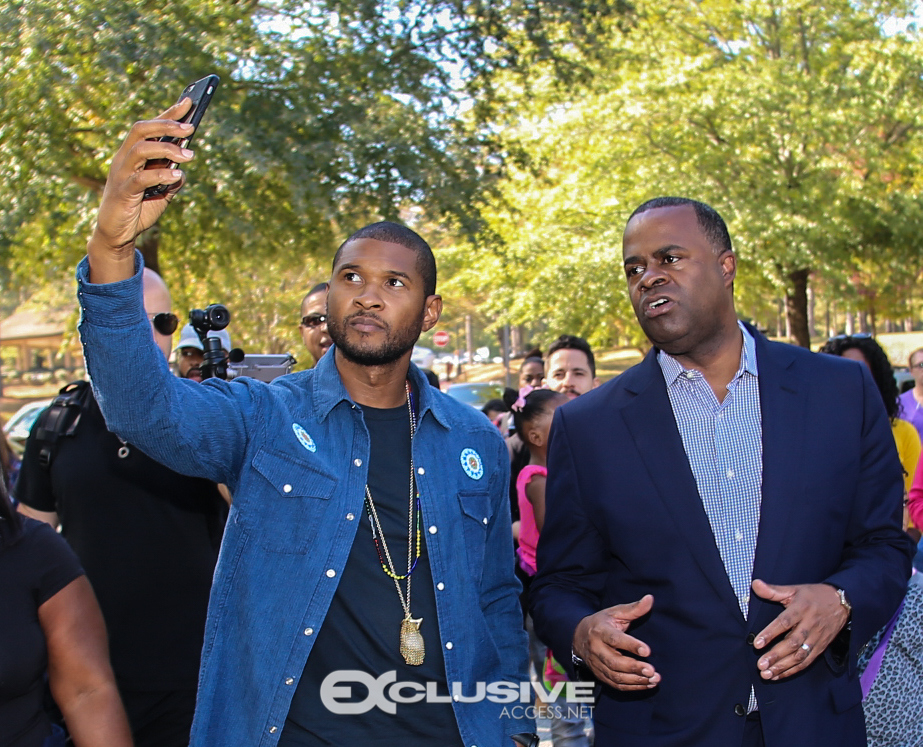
113,305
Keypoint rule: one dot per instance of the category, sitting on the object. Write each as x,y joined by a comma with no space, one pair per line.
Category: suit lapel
662,452
783,408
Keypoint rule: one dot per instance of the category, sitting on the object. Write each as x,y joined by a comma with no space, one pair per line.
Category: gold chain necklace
411,640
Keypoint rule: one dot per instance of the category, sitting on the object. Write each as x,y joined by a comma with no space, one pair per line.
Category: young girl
532,413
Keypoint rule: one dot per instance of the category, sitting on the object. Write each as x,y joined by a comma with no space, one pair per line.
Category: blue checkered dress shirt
723,442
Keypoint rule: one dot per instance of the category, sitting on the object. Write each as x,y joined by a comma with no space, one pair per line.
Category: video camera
216,363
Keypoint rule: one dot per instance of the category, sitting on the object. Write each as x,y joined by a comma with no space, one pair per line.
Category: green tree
799,122
330,114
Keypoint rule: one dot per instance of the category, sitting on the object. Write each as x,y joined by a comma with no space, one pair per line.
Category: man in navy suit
723,526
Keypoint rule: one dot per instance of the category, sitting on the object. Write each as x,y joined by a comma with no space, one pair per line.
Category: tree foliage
330,113
800,122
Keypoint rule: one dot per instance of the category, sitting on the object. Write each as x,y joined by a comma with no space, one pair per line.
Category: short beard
393,348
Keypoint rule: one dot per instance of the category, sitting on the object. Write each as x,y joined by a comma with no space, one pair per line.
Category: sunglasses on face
164,322
313,320
857,336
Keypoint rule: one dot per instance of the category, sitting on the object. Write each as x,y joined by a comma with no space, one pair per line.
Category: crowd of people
344,556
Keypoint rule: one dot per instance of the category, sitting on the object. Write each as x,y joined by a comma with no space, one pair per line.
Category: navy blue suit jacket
624,519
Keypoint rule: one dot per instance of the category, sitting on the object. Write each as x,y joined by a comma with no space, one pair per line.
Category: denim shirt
294,454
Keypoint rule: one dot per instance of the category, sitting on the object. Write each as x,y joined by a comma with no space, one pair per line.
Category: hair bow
521,401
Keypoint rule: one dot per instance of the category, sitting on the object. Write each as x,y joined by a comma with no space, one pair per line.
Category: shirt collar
673,369
329,391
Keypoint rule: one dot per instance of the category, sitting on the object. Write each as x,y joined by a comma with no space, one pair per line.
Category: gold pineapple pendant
412,648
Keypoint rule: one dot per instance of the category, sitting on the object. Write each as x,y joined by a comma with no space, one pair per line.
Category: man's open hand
812,617
600,640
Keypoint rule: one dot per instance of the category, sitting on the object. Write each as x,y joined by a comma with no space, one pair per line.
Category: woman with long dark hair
864,349
50,621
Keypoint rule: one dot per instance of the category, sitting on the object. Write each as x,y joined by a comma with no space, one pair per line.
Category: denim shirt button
289,680
357,462
272,729
440,586
286,488
350,516
449,645
485,521
421,471
331,573
309,631
432,529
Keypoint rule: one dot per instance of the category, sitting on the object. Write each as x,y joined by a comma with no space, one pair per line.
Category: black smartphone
201,93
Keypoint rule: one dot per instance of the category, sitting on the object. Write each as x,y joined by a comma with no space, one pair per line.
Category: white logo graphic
385,692
302,435
472,464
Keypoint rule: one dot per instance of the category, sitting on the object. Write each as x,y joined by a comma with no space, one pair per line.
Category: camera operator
190,353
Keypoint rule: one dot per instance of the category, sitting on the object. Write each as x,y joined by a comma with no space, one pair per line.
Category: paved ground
544,731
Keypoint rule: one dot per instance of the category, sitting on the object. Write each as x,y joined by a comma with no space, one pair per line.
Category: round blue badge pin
304,438
472,464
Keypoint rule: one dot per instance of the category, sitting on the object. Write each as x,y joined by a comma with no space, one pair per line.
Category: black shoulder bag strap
60,419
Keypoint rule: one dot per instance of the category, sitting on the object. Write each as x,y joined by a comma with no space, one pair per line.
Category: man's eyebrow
664,250
354,266
658,254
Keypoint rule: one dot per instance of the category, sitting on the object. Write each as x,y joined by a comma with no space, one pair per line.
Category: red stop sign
441,338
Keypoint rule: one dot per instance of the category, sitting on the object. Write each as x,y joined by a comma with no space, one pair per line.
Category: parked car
422,357
17,428
476,395
904,379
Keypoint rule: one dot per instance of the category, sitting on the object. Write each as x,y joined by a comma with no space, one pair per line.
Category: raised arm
124,213
140,399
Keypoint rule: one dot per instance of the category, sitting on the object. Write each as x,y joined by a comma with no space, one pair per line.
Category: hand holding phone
200,93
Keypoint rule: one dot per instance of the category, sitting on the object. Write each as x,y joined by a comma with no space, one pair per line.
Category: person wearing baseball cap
190,353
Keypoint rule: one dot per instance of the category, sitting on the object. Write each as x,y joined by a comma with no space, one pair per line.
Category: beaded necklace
411,640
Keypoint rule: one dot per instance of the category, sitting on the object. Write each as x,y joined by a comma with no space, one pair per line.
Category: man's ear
729,267
432,310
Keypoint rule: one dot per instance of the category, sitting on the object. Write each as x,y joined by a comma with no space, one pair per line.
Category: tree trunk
812,322
796,305
148,243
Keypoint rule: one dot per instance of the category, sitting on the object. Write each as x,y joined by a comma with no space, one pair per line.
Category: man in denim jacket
356,469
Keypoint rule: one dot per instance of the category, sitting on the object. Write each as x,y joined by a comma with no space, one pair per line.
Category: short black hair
319,288
711,223
572,342
531,359
395,233
495,405
879,365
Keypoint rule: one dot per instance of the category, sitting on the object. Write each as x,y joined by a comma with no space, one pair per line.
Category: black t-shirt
33,568
362,628
148,538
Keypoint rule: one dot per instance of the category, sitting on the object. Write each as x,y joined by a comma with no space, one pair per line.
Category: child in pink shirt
532,413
